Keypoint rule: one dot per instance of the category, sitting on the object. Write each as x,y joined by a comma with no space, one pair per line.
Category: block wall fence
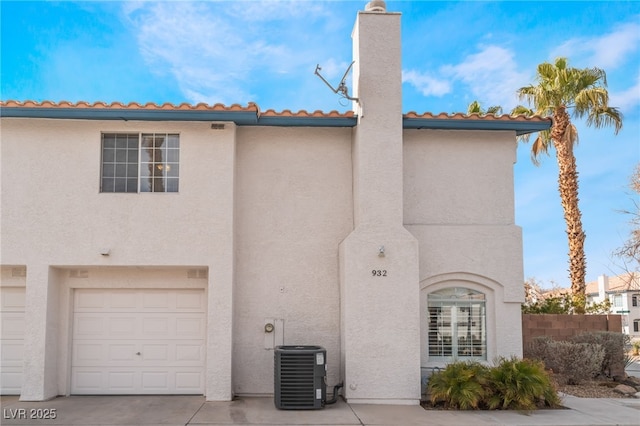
564,326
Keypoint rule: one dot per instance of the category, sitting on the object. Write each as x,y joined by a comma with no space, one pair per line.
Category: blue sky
266,52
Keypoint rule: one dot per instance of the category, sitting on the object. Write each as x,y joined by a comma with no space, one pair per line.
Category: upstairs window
133,162
457,324
635,300
617,301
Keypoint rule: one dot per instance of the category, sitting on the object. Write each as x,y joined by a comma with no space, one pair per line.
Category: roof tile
150,106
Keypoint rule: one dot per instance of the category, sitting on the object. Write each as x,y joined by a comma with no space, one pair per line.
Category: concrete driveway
194,410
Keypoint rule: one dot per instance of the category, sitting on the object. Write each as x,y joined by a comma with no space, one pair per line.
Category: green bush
614,349
520,385
511,384
460,385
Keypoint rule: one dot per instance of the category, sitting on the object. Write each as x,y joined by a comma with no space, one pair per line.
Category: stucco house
623,292
167,249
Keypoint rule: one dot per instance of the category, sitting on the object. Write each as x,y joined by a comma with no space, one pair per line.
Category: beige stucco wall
53,214
264,211
459,204
293,207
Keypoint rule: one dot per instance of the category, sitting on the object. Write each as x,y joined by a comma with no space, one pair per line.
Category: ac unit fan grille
299,380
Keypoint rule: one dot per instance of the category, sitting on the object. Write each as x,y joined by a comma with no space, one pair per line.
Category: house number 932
379,272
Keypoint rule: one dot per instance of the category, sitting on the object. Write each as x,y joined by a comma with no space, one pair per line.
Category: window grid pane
457,326
140,163
159,171
119,166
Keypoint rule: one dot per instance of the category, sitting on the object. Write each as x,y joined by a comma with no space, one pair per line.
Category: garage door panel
13,299
124,300
186,381
148,342
12,328
190,301
88,325
11,378
134,326
12,325
89,353
121,381
89,381
97,352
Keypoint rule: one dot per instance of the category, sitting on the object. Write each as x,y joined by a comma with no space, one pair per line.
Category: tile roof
251,106
130,105
623,282
251,115
150,106
475,116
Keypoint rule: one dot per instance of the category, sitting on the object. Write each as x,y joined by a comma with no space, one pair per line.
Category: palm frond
474,107
540,146
605,117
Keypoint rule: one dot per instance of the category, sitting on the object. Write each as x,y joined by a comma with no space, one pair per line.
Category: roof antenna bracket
342,88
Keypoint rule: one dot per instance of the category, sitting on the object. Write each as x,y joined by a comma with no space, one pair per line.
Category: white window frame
139,162
457,324
617,300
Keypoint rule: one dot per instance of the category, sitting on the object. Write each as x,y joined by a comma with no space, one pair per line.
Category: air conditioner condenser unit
300,377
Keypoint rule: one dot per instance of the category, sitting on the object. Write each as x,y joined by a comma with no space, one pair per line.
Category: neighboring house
168,249
623,292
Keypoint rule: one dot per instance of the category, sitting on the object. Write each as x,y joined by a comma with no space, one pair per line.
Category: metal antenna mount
342,89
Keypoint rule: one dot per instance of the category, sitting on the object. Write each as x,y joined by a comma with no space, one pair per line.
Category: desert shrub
460,385
576,361
520,385
537,348
614,349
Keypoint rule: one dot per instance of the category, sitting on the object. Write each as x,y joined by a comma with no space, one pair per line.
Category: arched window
457,324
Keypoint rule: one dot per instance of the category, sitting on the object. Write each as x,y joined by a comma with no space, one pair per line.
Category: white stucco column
219,386
40,337
380,322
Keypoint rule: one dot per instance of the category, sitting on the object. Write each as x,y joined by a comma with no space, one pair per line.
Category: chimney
603,287
382,364
377,83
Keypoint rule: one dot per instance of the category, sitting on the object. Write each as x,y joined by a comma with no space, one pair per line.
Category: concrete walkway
193,410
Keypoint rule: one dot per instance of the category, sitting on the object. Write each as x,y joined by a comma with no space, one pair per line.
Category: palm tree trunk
568,188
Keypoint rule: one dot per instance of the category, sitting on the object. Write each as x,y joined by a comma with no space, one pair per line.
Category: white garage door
138,342
11,339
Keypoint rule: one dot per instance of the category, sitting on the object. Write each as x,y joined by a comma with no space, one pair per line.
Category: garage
11,339
138,341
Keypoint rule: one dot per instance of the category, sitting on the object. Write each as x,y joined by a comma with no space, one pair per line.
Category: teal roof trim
247,117
521,127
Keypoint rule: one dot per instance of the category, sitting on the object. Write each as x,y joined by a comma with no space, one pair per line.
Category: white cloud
608,51
426,84
216,53
627,99
491,75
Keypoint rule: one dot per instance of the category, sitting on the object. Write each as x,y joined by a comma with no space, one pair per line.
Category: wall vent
19,271
78,273
197,273
300,377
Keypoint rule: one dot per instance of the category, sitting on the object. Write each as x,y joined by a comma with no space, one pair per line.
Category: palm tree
561,89
475,108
